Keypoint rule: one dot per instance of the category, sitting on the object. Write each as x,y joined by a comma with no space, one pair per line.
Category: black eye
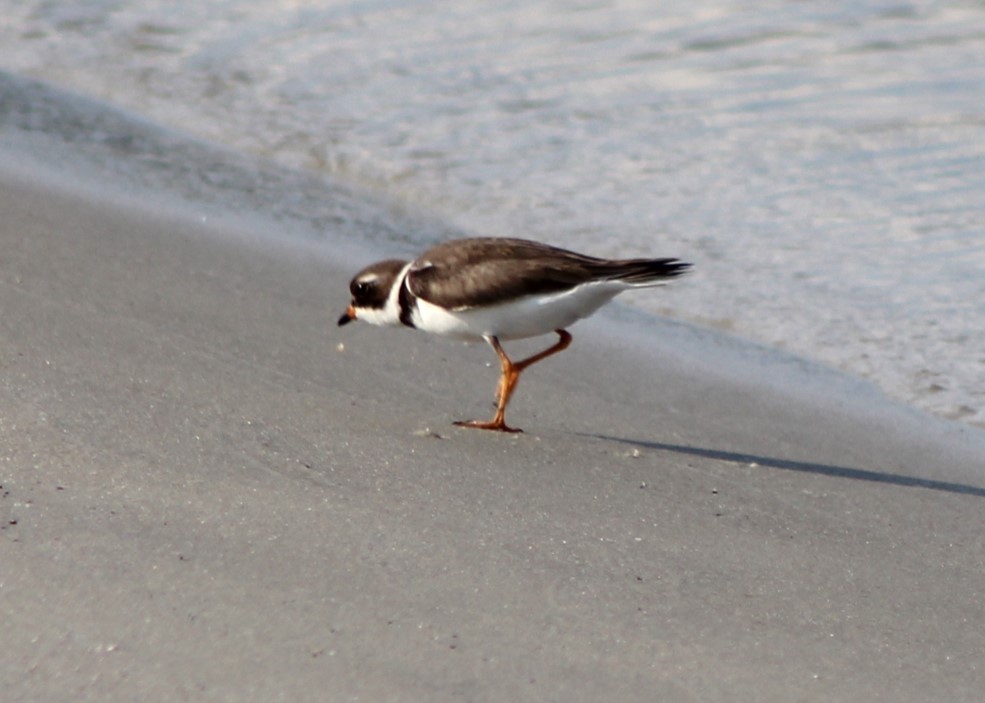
360,288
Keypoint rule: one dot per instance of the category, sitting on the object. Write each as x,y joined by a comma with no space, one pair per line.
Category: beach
821,163
211,492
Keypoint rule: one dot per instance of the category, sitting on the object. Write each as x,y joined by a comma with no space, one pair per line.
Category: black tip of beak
349,316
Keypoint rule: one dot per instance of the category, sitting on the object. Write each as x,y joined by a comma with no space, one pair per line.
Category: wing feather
481,271
469,272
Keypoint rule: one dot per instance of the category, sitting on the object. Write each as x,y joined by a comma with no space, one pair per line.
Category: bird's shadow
802,466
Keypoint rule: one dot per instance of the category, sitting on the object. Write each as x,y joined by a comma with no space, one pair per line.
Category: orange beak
349,316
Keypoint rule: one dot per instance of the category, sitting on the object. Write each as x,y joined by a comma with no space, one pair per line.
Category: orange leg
511,371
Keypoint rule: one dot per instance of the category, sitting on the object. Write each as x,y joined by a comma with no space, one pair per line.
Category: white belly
524,317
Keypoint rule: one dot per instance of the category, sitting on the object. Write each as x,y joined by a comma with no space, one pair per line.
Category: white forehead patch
368,278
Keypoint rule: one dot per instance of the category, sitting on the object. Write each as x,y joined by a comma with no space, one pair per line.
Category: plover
498,289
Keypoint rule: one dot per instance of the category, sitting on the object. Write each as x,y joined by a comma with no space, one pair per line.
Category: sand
205,497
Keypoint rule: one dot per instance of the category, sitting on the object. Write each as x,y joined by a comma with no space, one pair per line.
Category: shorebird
498,289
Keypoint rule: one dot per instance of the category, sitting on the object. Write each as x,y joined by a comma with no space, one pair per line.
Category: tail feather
644,272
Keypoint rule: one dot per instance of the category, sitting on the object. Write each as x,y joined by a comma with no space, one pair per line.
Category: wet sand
205,497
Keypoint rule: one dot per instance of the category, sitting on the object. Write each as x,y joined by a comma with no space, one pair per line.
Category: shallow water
822,164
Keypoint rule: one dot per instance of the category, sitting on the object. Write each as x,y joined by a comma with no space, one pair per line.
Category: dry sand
205,499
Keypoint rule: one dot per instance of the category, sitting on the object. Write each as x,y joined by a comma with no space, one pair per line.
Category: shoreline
204,498
80,139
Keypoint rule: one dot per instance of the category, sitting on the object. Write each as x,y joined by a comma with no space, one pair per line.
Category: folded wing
485,271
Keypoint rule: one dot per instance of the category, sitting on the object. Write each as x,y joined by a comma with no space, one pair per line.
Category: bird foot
487,425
